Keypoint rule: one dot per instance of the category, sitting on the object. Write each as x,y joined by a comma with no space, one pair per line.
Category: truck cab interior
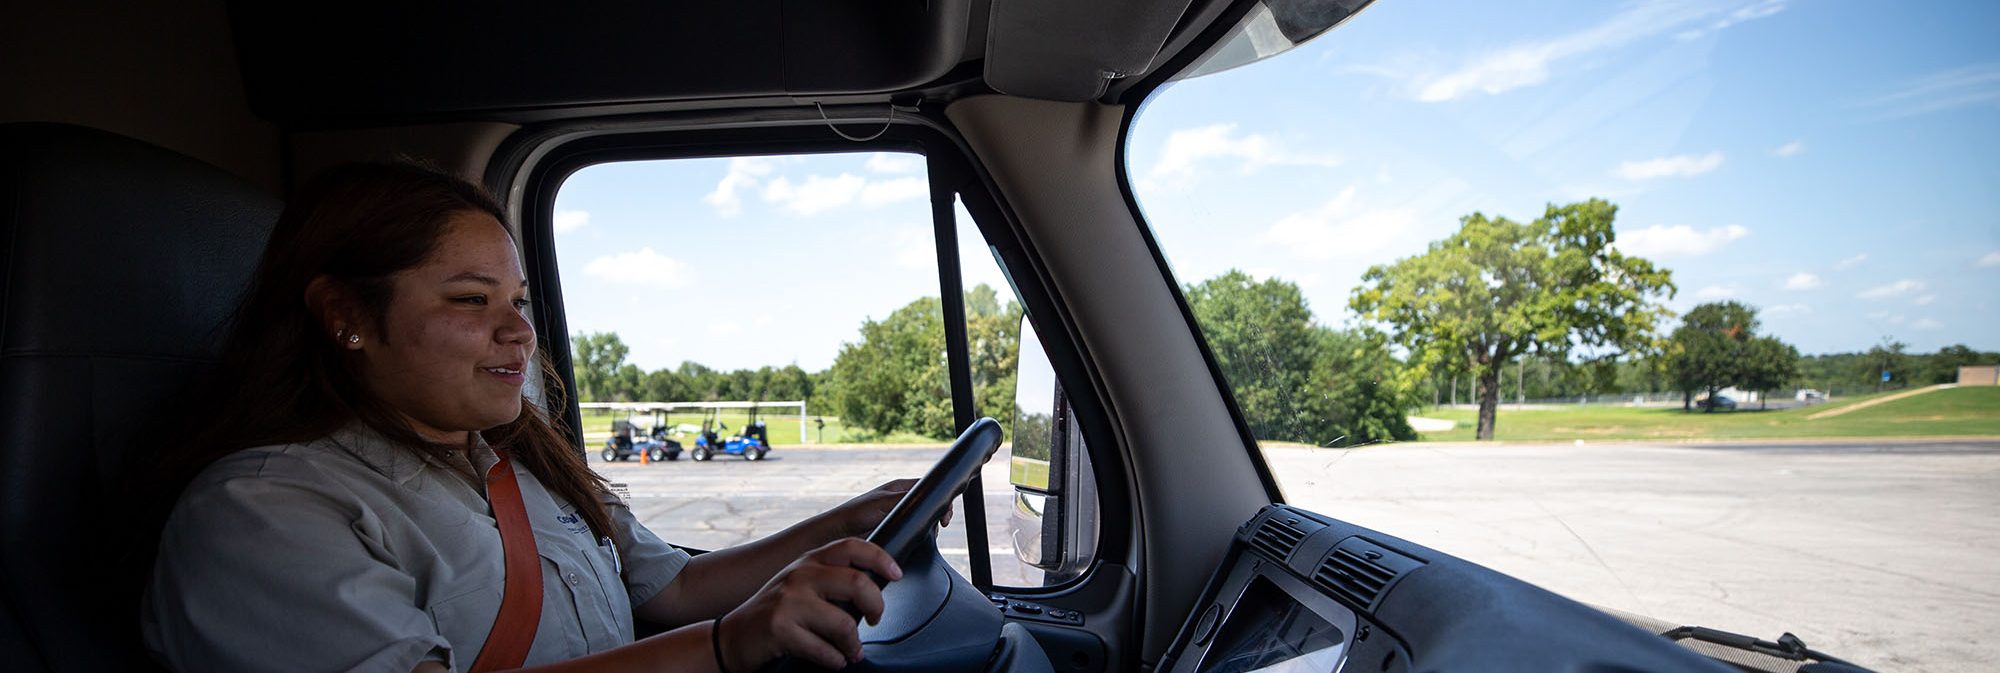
148,148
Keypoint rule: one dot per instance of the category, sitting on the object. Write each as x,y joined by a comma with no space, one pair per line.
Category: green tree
1710,349
1717,346
1263,339
1887,362
1294,380
789,383
628,384
665,385
992,335
1771,364
1943,367
1367,398
596,358
1498,289
895,378
703,384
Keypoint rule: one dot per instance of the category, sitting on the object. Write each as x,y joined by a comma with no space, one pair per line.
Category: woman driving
373,475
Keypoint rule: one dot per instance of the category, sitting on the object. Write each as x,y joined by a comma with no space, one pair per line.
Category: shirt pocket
618,608
465,621
566,606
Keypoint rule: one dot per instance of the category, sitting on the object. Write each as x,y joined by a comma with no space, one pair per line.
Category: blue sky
1831,162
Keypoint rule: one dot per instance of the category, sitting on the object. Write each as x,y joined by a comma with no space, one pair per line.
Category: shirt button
574,580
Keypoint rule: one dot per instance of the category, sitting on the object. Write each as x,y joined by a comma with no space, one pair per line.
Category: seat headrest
119,247
120,263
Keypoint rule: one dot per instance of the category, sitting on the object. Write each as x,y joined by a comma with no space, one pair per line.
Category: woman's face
457,339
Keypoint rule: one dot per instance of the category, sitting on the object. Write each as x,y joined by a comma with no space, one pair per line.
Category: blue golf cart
752,444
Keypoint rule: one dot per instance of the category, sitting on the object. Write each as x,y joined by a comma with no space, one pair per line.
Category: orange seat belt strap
521,601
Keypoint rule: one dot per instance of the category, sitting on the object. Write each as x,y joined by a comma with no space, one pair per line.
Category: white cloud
1677,166
1187,148
571,220
1528,64
644,267
1991,259
1336,229
1802,281
820,193
1896,289
1679,239
817,194
916,249
725,328
881,193
743,174
1926,323
1790,149
1715,292
1742,14
1924,300
1976,85
894,162
1784,309
1850,262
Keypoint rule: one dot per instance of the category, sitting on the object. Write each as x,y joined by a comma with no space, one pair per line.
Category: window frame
530,168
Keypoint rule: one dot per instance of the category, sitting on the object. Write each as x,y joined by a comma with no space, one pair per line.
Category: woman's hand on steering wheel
858,516
802,612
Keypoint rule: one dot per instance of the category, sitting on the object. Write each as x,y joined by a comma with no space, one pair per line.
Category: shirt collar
398,463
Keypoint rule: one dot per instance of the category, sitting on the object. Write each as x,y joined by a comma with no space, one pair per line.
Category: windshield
1681,308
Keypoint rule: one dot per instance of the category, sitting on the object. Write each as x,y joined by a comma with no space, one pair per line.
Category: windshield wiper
1788,647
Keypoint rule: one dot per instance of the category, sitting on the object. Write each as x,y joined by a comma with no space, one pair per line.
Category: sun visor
333,63
1069,51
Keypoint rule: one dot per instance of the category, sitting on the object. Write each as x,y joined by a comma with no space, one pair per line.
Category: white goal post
670,407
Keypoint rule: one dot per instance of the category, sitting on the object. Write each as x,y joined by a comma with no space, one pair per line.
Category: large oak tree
1497,289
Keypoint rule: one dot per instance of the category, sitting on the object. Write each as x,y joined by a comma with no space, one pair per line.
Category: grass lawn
1027,471
1957,411
783,427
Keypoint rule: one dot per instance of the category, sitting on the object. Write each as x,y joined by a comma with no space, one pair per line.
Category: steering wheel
909,522
933,619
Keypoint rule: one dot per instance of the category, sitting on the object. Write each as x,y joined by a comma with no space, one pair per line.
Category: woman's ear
334,305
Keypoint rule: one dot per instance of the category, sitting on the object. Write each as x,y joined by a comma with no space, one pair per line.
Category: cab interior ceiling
373,64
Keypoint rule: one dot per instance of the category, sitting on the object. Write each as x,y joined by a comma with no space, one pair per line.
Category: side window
755,339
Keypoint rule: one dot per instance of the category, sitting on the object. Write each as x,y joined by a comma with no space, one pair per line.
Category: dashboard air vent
1276,539
1361,571
1353,577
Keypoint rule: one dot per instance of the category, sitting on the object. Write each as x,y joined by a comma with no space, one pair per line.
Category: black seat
121,262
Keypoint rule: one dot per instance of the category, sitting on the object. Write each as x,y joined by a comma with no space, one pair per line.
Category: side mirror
1054,518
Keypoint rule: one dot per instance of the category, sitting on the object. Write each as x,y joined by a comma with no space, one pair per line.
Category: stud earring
354,339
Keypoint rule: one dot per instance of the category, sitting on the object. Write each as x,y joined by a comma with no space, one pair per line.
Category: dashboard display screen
1271,633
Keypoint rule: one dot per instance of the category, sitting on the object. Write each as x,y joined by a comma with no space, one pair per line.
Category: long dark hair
282,379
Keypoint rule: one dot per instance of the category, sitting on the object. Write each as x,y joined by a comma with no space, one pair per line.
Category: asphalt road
1881,552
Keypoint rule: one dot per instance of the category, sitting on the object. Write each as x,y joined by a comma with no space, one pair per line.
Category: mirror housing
1054,517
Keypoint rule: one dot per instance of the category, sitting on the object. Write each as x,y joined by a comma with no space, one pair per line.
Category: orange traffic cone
643,459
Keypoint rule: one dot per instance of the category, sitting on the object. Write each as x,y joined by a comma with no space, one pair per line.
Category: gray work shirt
350,554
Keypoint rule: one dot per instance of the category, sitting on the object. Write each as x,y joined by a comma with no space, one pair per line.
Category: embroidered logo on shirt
573,523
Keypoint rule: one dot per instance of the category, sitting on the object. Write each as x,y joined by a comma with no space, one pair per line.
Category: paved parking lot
1884,553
